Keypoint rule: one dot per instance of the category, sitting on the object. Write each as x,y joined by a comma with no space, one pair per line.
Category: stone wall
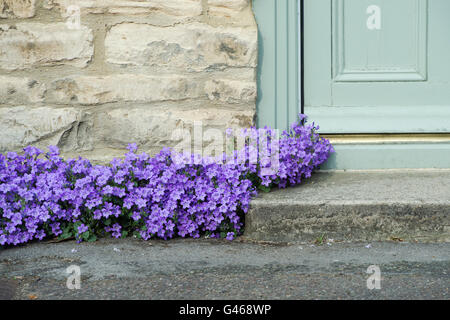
131,71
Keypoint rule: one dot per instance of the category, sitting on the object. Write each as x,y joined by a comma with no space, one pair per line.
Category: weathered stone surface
226,8
231,91
356,206
123,87
189,47
14,90
17,8
27,45
153,128
163,73
142,88
170,7
38,126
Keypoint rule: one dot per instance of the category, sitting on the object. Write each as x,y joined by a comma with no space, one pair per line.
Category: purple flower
164,196
40,234
82,229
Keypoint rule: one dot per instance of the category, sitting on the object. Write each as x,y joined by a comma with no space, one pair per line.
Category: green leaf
92,238
264,188
75,226
64,236
85,235
137,234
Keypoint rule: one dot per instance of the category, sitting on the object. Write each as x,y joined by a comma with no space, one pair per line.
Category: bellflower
165,196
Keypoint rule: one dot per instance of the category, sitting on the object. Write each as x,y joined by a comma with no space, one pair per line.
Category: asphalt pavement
218,269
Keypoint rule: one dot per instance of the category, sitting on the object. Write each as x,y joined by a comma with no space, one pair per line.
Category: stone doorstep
400,205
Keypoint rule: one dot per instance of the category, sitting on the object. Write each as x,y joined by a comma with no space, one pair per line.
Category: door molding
343,73
280,89
384,119
279,62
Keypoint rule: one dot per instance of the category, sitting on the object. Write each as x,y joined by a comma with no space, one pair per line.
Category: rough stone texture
230,12
39,126
15,90
169,7
226,7
105,132
27,45
124,87
153,128
88,90
189,47
366,206
17,8
135,71
231,91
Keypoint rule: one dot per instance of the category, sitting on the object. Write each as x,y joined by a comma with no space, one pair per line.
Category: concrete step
410,205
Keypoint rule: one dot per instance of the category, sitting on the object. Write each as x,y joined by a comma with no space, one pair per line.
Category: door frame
279,78
353,151
368,119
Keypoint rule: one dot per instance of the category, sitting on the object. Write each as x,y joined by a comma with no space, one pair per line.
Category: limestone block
38,126
121,88
27,45
15,90
226,7
17,8
231,91
189,47
188,8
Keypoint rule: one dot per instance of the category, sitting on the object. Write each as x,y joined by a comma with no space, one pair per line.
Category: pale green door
377,66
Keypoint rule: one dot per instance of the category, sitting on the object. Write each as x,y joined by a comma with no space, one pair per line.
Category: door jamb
301,13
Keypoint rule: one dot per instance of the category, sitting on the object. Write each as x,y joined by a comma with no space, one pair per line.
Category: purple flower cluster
148,197
301,150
